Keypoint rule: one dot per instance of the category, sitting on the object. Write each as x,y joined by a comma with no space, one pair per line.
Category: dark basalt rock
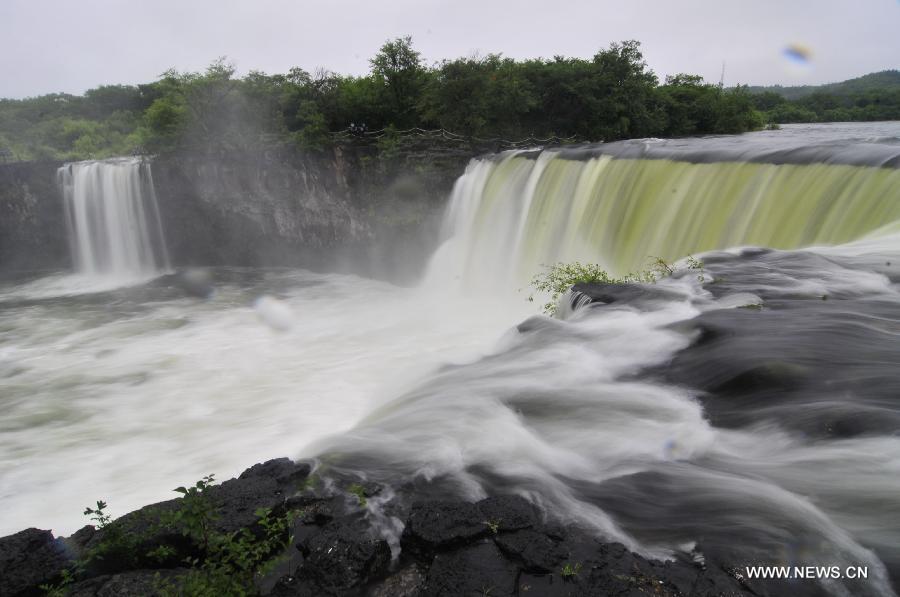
476,570
620,293
508,512
538,323
265,485
283,470
408,582
434,526
343,557
136,583
28,559
238,500
500,545
535,551
316,510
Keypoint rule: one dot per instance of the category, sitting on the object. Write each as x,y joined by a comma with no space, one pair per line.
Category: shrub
560,277
229,563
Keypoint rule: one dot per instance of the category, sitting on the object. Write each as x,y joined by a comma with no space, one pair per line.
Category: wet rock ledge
340,538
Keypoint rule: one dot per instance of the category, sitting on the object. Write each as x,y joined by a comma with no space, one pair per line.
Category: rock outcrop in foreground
343,540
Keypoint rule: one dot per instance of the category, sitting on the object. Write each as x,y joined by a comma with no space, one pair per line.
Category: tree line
872,97
611,96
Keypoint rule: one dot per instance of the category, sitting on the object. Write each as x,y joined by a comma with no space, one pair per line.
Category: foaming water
590,417
121,395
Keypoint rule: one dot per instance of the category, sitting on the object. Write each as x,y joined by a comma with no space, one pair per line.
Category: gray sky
72,45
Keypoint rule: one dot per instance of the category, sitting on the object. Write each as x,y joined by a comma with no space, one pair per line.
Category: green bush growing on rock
560,277
197,514
228,564
231,562
61,588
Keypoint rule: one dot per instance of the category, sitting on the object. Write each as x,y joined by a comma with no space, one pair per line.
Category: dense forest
611,96
872,97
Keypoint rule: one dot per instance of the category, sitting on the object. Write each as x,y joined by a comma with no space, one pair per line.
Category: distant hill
886,80
872,97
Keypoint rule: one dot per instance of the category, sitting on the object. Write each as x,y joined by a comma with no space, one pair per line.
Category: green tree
399,69
163,121
479,96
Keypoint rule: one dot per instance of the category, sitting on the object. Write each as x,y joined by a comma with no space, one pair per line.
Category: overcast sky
73,45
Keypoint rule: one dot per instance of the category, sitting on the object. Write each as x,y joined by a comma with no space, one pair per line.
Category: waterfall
512,213
113,218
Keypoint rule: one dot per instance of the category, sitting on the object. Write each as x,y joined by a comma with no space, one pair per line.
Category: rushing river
753,412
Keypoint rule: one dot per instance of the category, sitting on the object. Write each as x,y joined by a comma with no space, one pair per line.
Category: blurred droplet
275,313
669,449
798,54
196,282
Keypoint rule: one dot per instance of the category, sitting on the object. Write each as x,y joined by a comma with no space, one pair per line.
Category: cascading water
114,223
673,420
612,204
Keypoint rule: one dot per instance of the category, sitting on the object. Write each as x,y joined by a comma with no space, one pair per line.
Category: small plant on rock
360,492
695,264
559,278
231,562
234,560
99,515
61,588
113,542
197,514
493,526
570,571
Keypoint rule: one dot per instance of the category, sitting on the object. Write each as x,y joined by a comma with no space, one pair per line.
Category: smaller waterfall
113,218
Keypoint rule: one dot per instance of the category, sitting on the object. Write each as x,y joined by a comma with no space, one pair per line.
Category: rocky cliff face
32,218
346,209
269,209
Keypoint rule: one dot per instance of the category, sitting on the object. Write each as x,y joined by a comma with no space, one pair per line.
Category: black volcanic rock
27,559
500,545
475,570
633,293
136,583
434,526
407,582
343,557
283,470
508,512
535,551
